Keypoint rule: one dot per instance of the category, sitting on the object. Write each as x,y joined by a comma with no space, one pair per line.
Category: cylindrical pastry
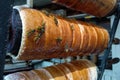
38,35
66,71
76,70
43,74
73,70
87,73
56,73
16,76
99,8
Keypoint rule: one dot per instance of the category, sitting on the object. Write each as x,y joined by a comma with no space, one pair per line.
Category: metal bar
5,7
30,3
17,70
112,35
78,16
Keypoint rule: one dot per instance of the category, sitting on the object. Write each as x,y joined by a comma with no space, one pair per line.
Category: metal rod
112,35
17,70
5,7
30,3
78,16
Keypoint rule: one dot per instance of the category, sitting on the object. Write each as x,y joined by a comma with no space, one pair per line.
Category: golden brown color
50,36
98,8
76,70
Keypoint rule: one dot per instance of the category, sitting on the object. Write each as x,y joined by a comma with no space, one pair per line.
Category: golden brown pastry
101,8
48,36
76,70
76,41
106,39
56,73
66,71
86,36
101,39
16,76
92,38
82,69
43,74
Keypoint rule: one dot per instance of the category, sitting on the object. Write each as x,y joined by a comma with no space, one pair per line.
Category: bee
30,32
59,39
66,48
56,21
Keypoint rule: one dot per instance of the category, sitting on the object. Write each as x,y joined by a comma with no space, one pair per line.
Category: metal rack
112,35
6,7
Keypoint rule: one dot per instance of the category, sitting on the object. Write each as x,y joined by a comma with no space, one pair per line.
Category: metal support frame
30,3
5,7
112,35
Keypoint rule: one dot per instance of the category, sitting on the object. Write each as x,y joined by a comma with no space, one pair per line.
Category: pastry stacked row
49,36
99,8
76,70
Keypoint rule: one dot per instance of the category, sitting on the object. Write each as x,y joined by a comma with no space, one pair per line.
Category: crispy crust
82,70
66,71
60,37
100,40
16,76
101,7
56,73
43,74
86,67
86,36
76,70
92,38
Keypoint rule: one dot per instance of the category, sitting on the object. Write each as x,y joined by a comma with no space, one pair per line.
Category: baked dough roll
101,8
43,74
92,38
56,73
66,39
66,71
86,67
39,35
53,36
75,70
84,37
16,76
101,39
92,70
106,40
31,75
76,41
82,70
